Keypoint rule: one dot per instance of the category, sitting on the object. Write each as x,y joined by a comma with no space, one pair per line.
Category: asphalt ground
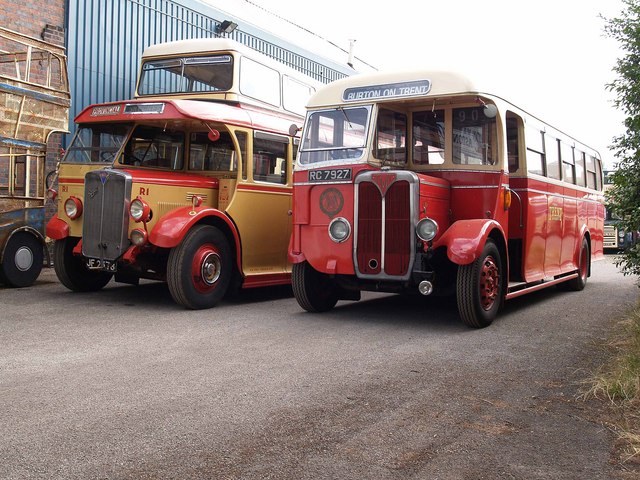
124,384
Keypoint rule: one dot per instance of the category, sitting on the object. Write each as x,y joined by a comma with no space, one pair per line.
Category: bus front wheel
71,270
314,291
200,268
480,288
22,260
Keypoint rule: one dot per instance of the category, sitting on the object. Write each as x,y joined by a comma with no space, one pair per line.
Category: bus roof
394,86
200,46
169,110
195,45
427,82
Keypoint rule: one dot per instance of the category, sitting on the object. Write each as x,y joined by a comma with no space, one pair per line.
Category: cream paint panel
73,171
264,223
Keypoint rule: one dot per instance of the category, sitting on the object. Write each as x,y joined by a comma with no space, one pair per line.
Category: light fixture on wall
226,26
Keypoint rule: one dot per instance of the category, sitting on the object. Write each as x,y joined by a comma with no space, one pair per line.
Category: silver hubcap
211,268
24,259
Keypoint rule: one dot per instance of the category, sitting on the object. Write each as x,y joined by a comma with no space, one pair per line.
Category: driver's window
155,148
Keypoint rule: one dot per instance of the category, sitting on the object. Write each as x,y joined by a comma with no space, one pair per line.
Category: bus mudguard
465,239
172,227
57,229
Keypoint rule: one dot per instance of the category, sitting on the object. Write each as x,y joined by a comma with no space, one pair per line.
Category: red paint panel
57,229
570,238
263,188
553,232
172,179
266,280
78,181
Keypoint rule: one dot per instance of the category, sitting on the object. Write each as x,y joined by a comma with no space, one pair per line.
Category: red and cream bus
189,183
420,182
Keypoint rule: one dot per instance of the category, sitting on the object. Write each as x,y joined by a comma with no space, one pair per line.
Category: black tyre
314,291
481,287
22,260
200,268
71,270
584,262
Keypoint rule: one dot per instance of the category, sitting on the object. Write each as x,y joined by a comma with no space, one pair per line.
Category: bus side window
205,155
535,151
513,144
591,172
552,155
580,168
269,161
568,167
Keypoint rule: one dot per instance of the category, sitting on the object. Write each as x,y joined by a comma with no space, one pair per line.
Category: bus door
262,203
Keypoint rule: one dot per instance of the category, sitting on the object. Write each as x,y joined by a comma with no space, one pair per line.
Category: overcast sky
549,57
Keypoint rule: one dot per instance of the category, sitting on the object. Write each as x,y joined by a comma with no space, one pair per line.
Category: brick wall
32,16
43,19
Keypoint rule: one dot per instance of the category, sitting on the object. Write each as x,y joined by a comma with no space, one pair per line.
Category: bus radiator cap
425,287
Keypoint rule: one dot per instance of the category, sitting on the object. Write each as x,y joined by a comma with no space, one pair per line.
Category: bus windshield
338,134
97,143
212,73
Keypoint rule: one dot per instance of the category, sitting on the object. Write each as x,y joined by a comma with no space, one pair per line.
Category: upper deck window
259,81
474,137
295,95
211,73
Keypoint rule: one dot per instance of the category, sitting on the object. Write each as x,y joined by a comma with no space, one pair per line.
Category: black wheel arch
32,231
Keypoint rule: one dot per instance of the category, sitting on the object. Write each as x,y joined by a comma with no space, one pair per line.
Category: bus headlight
339,229
73,207
426,229
621,233
140,210
138,237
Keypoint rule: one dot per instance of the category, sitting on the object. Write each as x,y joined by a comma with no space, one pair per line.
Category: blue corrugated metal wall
106,39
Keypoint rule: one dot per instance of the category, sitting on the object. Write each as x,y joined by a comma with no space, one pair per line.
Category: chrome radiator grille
385,224
106,214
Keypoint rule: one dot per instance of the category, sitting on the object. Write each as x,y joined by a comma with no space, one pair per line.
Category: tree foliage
623,199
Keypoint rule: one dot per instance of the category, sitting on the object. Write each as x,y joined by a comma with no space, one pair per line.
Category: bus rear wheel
200,268
314,291
22,260
71,270
480,288
584,259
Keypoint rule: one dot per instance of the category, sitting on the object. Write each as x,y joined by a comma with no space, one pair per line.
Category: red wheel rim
206,268
489,283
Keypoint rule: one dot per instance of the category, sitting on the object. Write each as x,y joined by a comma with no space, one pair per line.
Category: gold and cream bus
190,182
